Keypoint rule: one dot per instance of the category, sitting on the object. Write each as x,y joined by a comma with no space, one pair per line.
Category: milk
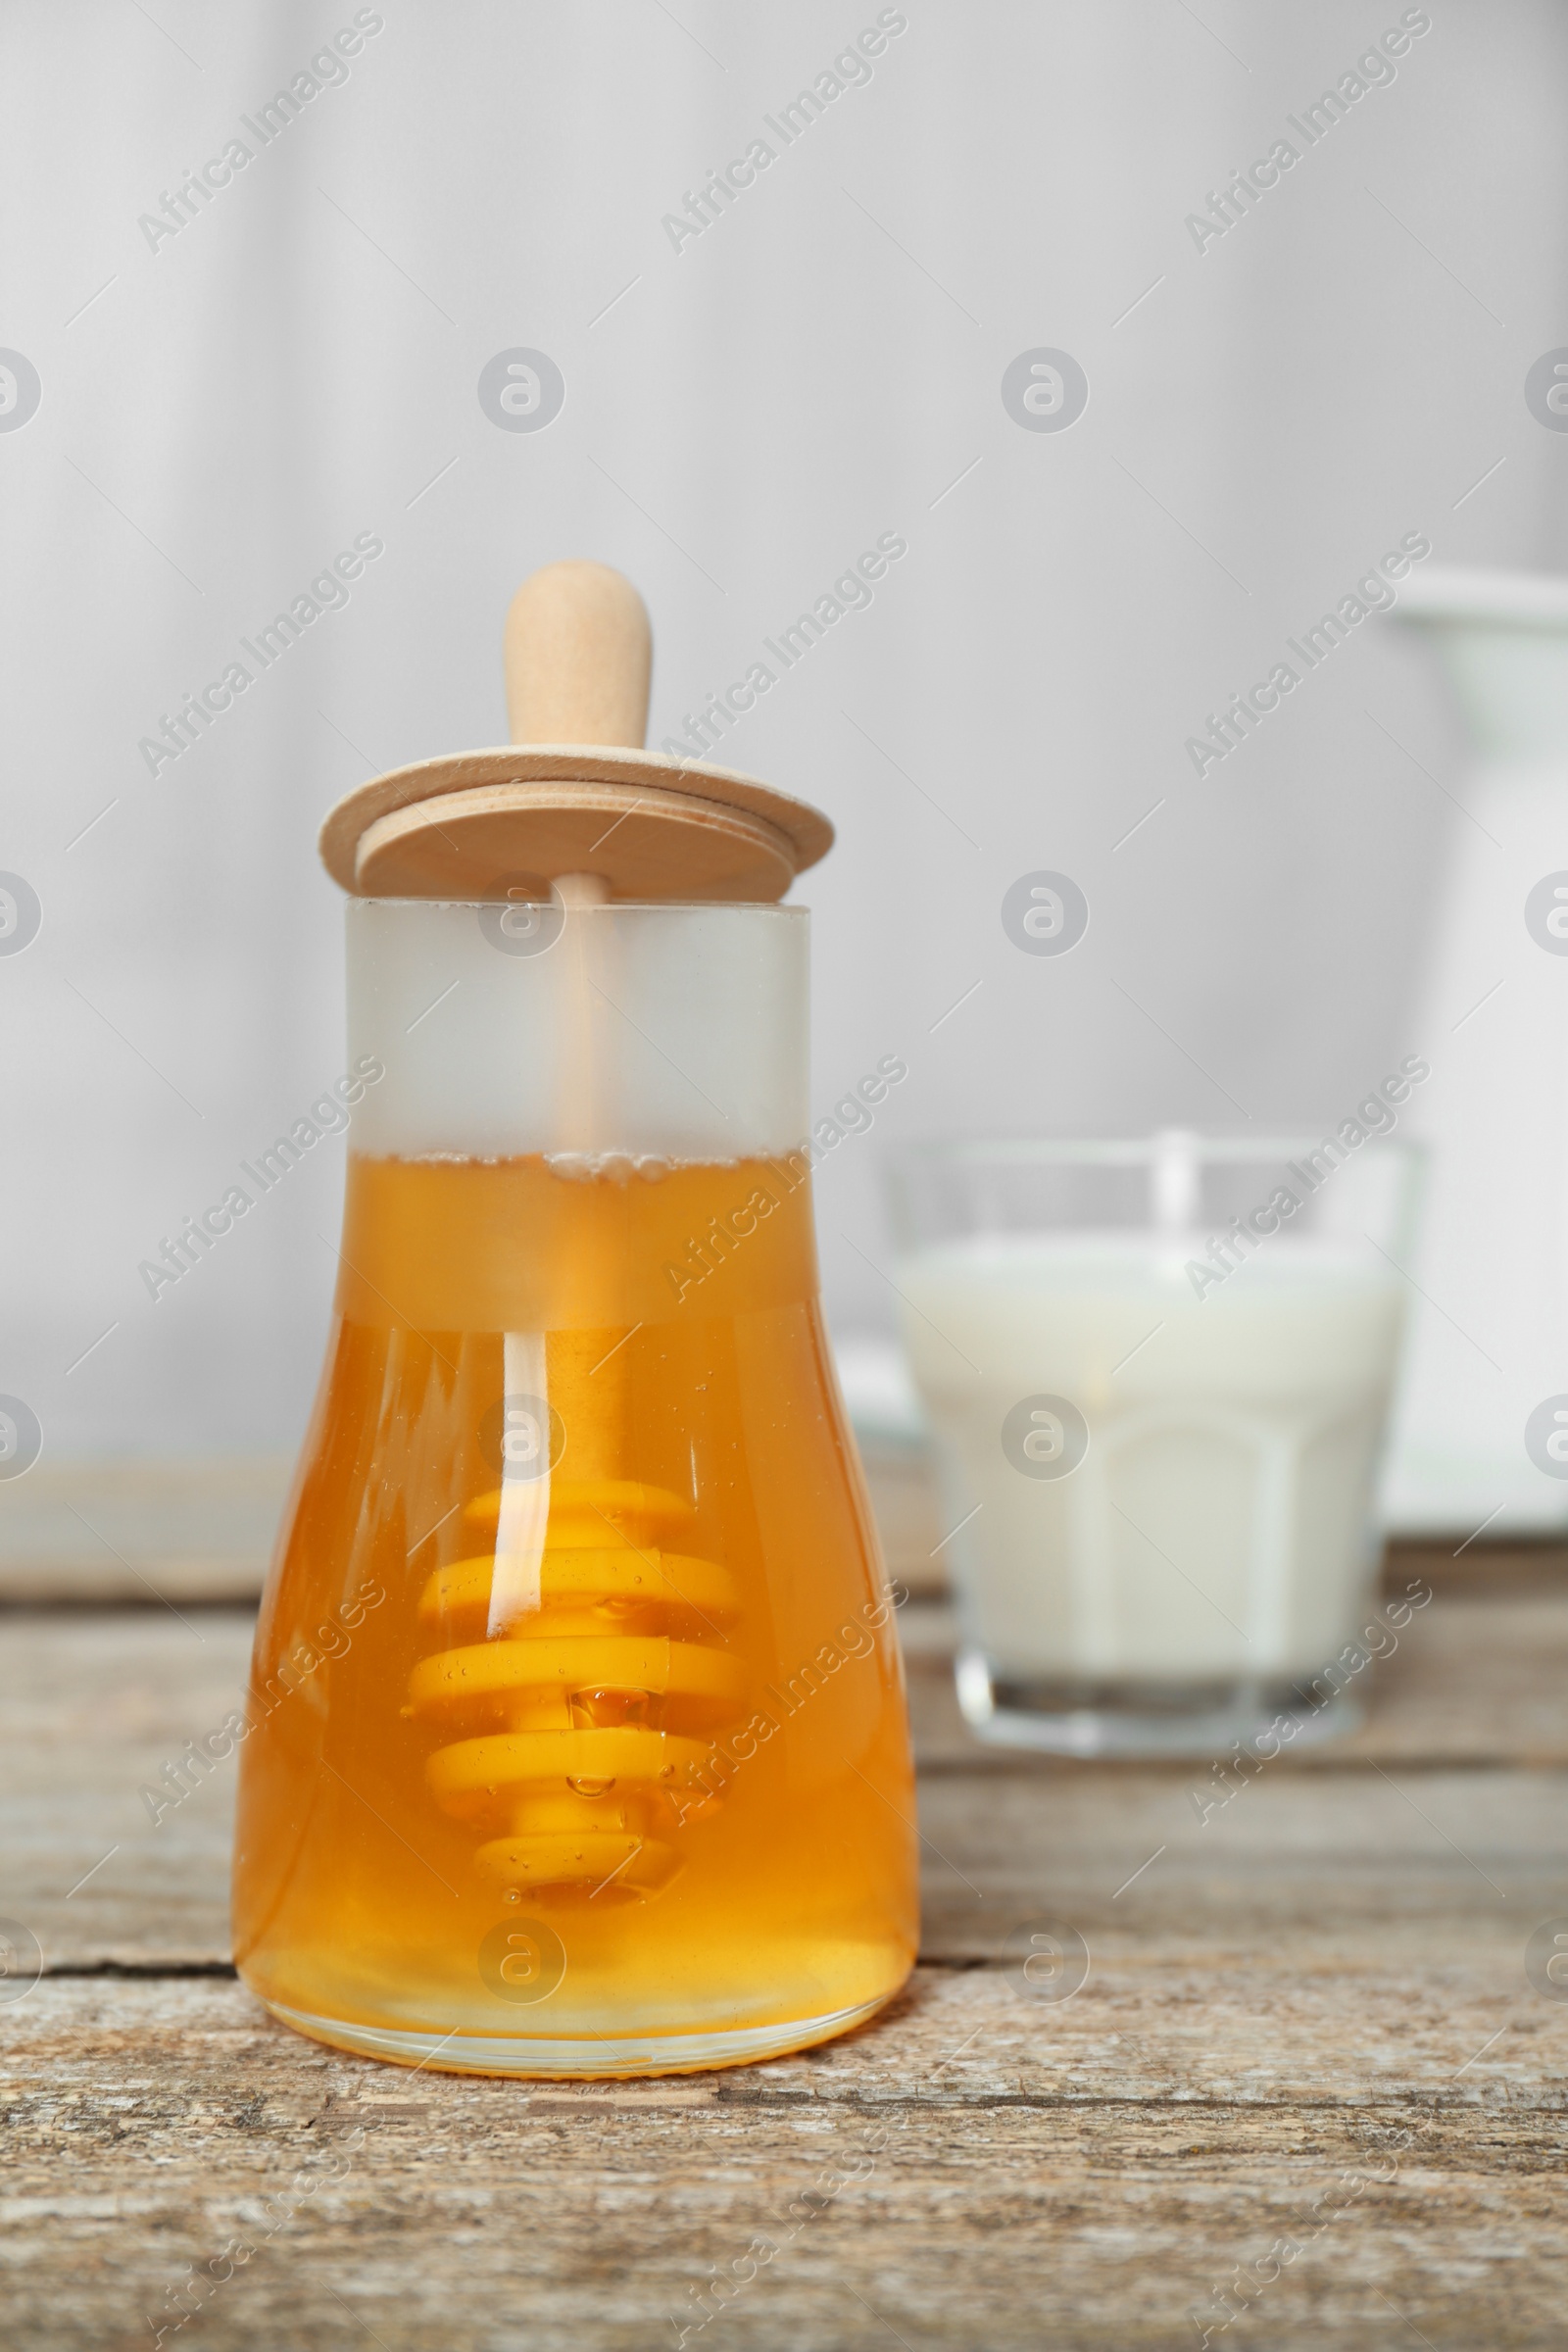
1219,1525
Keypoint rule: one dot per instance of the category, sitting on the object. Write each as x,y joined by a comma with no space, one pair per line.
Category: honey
578,1741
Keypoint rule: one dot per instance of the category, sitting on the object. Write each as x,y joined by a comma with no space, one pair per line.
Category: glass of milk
1157,1376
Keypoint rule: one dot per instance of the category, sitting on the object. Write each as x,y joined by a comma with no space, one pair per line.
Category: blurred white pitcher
1489,1341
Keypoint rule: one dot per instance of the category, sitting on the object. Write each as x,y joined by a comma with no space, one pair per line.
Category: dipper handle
578,651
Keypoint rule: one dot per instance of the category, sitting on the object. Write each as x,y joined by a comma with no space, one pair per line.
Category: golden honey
578,1737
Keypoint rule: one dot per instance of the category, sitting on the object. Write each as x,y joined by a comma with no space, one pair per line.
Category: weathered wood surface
1455,1787
162,1533
1316,1993
99,1533
994,2173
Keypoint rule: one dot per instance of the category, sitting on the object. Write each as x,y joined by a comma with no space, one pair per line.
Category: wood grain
1458,1779
642,842
1476,1676
578,649
109,1531
147,1532
137,1531
1306,2024
987,2171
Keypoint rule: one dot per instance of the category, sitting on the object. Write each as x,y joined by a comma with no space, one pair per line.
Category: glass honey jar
577,1742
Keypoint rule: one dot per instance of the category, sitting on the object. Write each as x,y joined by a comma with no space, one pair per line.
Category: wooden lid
574,793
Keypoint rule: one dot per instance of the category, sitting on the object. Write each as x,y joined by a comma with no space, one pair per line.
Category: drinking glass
1157,1375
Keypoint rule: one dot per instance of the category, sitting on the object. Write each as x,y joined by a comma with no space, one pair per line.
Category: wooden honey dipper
578,1667
574,804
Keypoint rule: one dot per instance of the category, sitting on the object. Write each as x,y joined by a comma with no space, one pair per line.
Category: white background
299,365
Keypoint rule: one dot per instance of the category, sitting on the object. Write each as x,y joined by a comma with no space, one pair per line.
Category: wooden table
1308,2064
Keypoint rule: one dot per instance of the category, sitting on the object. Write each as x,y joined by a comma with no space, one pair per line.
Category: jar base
551,2058
1071,1715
